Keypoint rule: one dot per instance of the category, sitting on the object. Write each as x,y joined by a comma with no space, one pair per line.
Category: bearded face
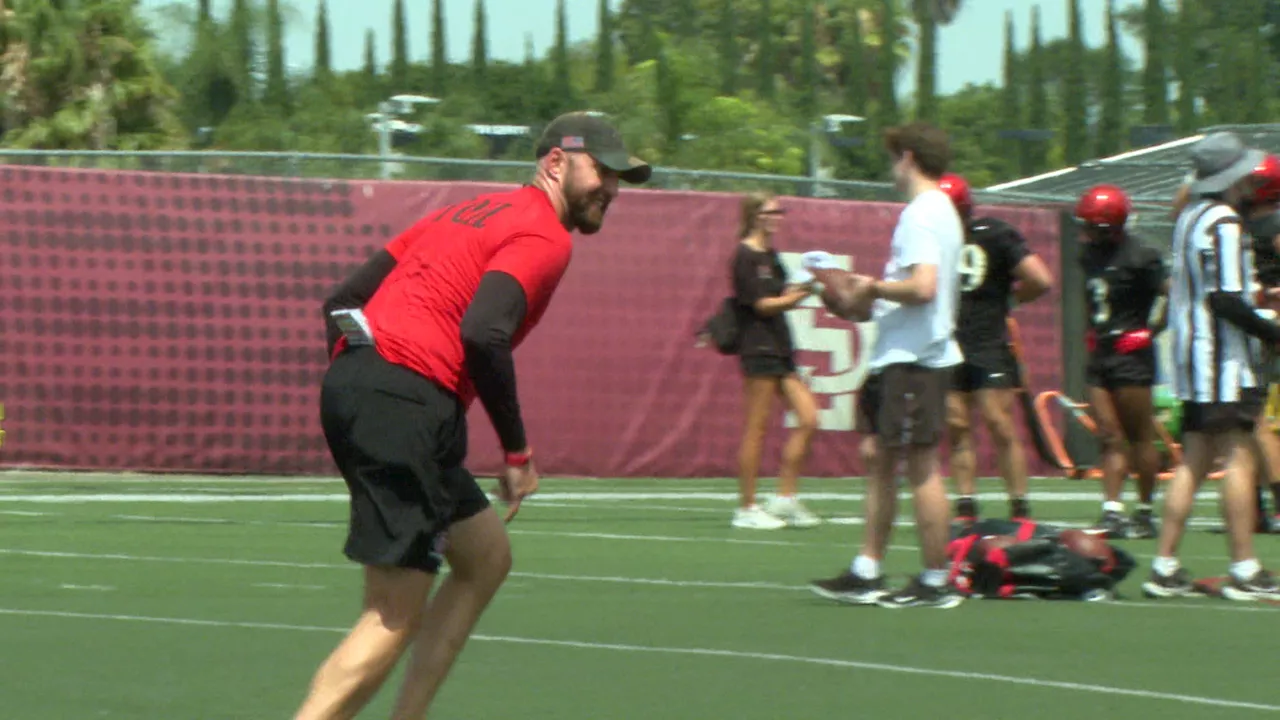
587,194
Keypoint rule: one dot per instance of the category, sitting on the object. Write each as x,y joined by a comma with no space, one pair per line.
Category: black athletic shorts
988,369
766,366
1110,371
905,405
1224,417
399,441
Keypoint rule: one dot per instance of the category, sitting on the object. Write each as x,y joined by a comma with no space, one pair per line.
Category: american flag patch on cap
572,142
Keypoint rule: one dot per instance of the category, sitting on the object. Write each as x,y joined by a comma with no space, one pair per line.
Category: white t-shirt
929,232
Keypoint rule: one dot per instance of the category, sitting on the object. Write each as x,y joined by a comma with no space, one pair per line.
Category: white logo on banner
848,355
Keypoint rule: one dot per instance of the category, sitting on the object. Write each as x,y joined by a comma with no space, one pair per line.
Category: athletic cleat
1112,525
917,594
754,518
850,589
1142,526
1169,586
792,512
1262,586
1019,509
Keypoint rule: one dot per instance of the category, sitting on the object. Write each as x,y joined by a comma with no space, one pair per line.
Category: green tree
765,81
1011,94
1155,90
84,76
479,46
439,51
856,73
277,91
604,50
670,100
1111,137
560,57
926,64
887,96
1075,92
323,67
1037,92
807,95
399,48
730,55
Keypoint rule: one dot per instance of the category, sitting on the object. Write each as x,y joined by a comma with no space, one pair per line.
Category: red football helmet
1268,174
1104,206
957,188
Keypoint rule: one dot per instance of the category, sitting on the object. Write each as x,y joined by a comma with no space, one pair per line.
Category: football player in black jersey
997,271
1261,213
1126,286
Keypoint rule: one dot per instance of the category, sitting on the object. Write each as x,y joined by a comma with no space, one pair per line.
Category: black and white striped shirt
1213,359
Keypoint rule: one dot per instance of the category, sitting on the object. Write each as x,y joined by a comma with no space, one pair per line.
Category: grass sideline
159,596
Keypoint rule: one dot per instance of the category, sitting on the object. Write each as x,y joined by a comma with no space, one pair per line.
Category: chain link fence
371,167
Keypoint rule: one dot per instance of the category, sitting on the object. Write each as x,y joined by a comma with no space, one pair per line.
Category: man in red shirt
418,332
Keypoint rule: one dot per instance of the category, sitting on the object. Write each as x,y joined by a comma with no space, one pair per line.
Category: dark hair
929,147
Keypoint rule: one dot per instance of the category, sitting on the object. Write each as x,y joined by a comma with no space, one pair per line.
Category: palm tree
83,76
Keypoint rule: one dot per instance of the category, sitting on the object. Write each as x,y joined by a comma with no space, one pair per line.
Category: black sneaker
966,511
850,588
1019,509
1169,586
1262,586
917,594
1112,525
1142,526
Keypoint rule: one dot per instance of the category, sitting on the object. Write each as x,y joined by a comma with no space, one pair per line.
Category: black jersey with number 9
992,250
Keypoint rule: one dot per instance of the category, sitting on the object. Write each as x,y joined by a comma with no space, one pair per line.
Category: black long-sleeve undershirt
1231,307
355,291
490,323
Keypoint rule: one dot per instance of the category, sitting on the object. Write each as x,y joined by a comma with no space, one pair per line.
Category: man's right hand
515,483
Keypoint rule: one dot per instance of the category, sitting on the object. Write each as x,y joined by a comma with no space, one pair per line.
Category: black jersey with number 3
992,250
1122,282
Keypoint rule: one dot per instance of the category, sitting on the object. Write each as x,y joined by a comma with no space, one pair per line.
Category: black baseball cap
592,134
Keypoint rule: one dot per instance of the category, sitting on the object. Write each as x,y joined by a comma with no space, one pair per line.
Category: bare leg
930,493
393,603
1239,507
1198,453
1114,448
1137,420
796,450
882,498
479,555
964,461
758,392
996,406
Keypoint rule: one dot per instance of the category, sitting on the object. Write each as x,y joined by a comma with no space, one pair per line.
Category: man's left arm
519,280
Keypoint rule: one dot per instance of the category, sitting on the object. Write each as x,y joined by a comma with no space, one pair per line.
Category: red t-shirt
416,314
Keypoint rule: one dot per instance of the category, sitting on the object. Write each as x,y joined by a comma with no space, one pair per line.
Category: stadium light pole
385,123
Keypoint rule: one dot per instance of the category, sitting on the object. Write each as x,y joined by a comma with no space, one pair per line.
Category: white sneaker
792,512
753,518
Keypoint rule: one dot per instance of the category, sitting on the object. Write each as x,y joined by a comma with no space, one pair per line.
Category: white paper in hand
819,260
354,326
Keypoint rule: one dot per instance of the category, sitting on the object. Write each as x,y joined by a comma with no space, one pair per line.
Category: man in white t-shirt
902,406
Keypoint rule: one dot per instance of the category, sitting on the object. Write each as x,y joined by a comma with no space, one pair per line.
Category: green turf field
186,598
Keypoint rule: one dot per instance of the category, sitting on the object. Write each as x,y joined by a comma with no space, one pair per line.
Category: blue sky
969,52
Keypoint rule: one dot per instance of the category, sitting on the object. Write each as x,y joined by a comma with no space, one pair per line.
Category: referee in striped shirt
1217,344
